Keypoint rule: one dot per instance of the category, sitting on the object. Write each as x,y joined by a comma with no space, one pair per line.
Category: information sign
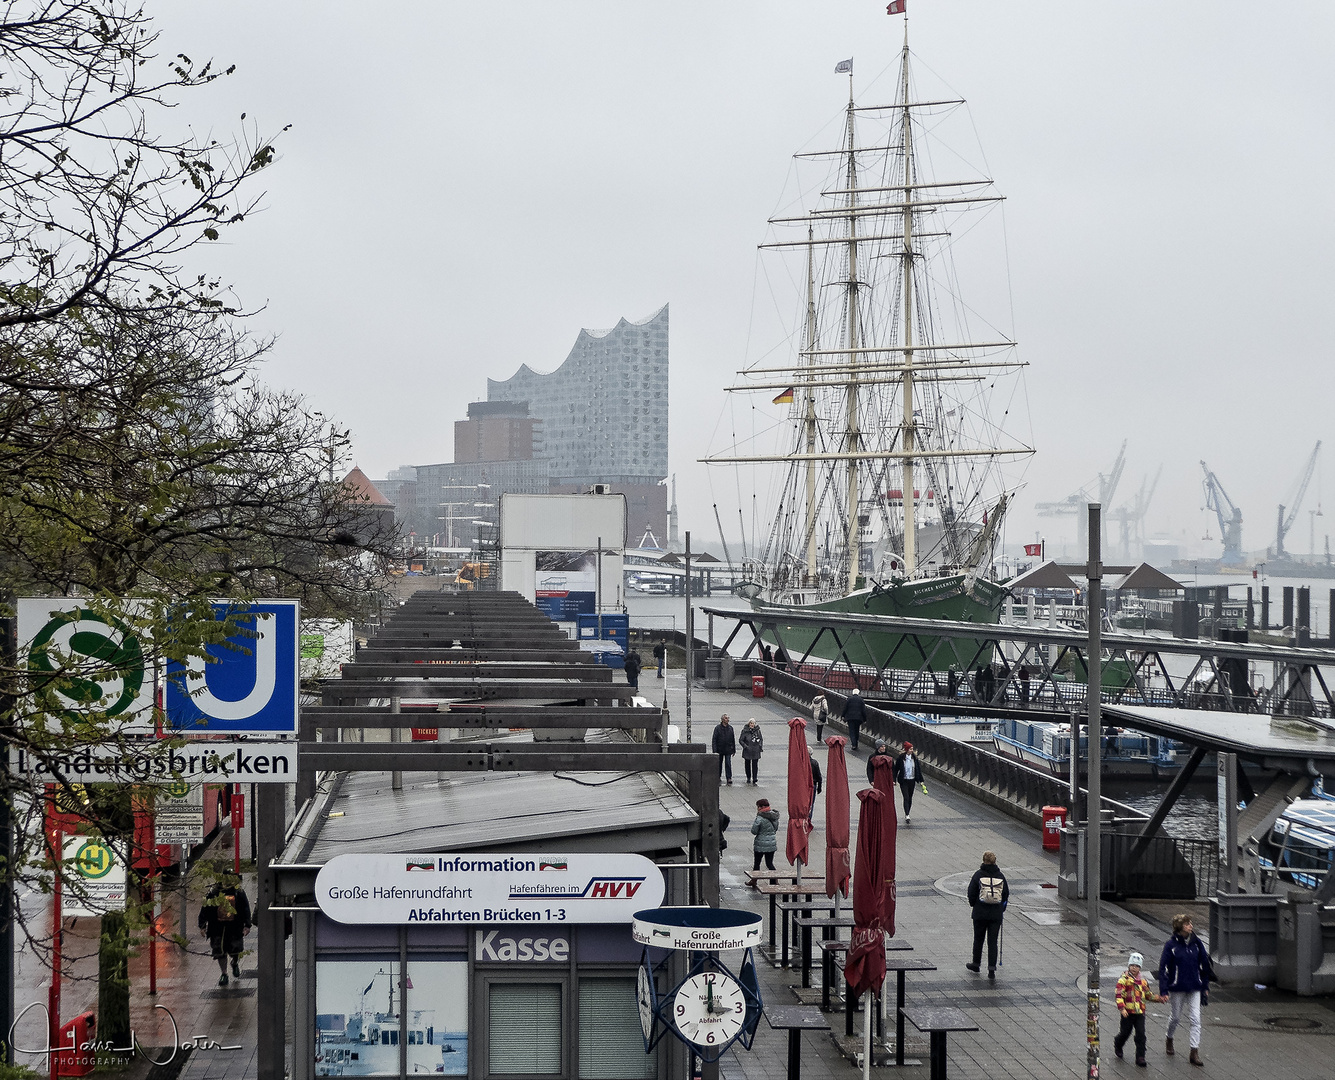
214,762
250,684
178,814
478,889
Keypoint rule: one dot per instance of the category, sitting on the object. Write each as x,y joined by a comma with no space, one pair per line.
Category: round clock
709,1009
647,997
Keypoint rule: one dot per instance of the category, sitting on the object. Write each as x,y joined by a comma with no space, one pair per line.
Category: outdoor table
900,965
828,923
754,876
774,890
938,1021
796,906
795,1019
828,949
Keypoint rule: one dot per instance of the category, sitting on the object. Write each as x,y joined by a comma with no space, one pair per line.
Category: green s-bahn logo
91,661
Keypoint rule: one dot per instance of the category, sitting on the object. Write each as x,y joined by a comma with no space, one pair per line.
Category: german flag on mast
785,398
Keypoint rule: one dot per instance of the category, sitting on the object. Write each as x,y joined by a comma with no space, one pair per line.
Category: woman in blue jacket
1185,976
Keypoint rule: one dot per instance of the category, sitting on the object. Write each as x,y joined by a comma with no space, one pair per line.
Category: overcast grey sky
465,186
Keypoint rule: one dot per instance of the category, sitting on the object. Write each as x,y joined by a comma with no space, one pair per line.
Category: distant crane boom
1230,517
1282,523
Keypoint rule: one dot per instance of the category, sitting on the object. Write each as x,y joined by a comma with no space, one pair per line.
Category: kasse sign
478,889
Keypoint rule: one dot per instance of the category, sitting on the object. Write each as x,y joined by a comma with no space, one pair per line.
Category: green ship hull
931,598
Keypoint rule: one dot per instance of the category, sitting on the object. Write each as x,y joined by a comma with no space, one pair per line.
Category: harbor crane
1131,519
1230,517
1282,523
1074,504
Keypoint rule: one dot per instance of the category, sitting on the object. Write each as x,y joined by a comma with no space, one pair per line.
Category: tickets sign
478,889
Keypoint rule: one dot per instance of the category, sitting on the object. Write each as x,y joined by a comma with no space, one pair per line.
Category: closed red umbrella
883,778
866,954
800,794
836,817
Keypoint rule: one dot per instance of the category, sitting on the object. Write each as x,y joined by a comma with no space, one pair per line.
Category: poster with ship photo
565,583
358,1006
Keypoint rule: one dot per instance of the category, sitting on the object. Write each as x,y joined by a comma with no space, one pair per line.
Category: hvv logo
248,685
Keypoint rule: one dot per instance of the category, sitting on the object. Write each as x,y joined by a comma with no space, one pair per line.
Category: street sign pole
1094,814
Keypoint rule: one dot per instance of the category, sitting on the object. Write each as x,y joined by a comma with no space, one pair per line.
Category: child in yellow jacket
1132,993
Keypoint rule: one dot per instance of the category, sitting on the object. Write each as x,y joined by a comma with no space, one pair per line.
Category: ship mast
908,437
854,434
809,400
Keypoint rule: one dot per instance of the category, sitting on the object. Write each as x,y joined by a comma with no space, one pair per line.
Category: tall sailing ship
895,487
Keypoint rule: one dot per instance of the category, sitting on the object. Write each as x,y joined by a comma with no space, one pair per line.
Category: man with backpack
989,893
224,919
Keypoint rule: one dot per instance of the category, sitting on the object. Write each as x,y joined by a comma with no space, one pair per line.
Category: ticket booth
486,964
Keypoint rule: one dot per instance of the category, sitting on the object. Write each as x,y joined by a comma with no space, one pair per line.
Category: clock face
647,1000
709,1009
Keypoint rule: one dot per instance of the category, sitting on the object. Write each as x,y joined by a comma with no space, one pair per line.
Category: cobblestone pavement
1032,1019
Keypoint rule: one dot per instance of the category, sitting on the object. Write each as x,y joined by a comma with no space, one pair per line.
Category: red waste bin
1054,821
757,685
75,1056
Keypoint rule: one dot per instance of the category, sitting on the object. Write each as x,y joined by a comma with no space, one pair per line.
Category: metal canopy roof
1145,576
499,812
1045,576
1288,743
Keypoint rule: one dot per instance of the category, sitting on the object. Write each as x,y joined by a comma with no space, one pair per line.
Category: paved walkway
1032,1020
187,990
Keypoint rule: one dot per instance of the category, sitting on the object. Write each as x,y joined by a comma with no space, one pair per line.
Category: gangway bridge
1037,672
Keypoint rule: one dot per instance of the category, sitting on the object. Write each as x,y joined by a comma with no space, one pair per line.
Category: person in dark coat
908,775
817,780
855,712
224,918
724,744
633,667
1024,684
723,822
660,654
989,893
1185,975
881,751
753,745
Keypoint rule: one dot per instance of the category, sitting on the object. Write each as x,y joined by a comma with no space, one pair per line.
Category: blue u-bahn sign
248,685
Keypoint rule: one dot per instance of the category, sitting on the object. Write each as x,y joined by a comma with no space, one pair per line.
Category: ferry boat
366,1043
1126,754
1300,847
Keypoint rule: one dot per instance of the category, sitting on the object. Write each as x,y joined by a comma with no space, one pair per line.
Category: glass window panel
611,1045
524,1029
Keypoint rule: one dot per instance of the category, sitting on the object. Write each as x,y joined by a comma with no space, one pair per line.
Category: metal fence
1169,868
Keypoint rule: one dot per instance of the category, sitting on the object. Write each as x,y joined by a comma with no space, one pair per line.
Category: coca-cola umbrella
865,968
836,819
883,779
800,794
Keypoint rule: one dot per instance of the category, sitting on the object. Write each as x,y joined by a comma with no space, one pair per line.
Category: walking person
989,893
724,744
1132,993
753,745
881,751
766,830
820,715
1024,684
855,712
660,654
908,775
1185,975
634,665
224,918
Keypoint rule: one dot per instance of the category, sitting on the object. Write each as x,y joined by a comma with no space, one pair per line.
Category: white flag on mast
844,67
